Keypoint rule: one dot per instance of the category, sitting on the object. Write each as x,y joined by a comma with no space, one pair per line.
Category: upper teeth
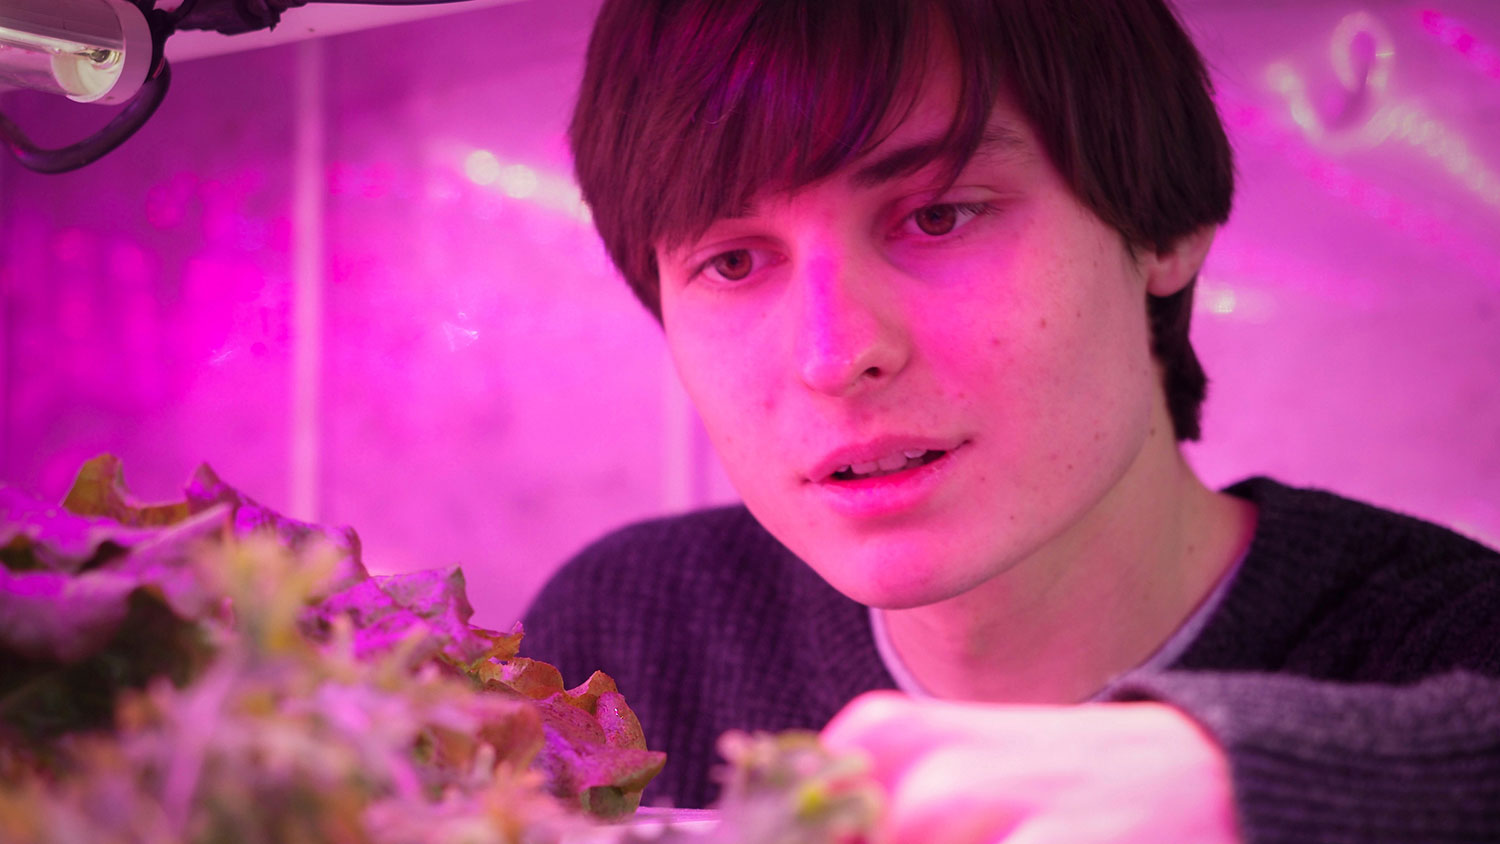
889,463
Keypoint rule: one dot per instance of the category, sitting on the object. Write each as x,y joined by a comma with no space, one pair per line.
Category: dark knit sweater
1352,671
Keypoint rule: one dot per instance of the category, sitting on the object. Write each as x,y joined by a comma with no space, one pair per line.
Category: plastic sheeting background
381,305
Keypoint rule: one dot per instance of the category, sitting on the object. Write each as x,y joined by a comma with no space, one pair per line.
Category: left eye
943,218
733,265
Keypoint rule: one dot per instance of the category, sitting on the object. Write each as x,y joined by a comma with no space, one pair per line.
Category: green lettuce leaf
206,490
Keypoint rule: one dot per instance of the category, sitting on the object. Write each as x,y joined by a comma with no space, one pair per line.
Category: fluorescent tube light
87,50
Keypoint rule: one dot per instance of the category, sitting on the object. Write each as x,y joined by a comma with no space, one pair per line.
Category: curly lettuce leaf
264,687
46,615
99,490
35,536
42,697
205,490
64,617
594,752
387,609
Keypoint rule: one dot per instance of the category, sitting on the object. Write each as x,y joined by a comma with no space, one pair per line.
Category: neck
1095,602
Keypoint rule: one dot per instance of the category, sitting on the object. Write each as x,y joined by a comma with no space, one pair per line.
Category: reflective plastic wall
353,275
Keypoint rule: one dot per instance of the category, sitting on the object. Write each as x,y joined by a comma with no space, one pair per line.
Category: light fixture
112,52
90,51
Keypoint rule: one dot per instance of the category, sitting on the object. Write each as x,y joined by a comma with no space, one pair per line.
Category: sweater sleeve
1319,761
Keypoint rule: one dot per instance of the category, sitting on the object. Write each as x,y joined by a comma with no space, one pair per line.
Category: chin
893,582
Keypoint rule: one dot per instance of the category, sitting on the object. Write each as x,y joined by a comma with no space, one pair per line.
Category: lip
872,451
883,496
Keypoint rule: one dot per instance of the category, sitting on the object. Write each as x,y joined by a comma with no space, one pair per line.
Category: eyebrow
998,139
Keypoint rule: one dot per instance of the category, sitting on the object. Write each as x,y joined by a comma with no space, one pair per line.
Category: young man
925,268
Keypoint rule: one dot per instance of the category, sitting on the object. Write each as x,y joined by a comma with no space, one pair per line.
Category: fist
971,773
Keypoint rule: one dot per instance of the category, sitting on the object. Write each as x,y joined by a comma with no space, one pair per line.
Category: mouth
895,477
905,460
880,458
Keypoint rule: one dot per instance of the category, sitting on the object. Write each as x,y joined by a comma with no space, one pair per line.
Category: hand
968,773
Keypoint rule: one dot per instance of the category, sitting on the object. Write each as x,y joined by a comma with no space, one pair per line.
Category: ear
1169,270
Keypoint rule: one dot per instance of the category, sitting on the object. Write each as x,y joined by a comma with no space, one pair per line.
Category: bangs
786,94
737,100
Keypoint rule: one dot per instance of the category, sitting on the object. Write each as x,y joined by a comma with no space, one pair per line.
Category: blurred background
346,266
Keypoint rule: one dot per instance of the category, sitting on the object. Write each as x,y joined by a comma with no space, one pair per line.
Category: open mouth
912,459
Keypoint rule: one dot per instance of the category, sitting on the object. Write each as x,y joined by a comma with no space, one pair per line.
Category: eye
734,265
944,217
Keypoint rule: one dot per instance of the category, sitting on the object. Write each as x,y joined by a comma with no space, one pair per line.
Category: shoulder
668,555
664,585
1343,589
699,532
1315,525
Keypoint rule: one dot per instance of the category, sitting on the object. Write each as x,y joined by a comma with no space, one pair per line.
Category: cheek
724,383
1094,318
1113,379
1062,354
721,359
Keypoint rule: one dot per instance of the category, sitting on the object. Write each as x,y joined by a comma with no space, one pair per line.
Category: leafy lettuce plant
208,670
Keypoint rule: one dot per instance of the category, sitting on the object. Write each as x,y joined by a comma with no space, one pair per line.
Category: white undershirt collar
1163,656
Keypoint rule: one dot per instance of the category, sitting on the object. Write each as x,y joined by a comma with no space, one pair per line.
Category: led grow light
87,50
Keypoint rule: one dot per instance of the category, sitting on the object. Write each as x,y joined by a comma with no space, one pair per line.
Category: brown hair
689,109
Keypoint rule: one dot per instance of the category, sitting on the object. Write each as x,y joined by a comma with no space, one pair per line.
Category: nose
850,335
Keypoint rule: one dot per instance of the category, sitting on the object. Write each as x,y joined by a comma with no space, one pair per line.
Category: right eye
734,265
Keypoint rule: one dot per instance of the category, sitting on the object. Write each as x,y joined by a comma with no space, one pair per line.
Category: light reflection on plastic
1484,57
542,188
1253,123
1342,53
457,336
1403,121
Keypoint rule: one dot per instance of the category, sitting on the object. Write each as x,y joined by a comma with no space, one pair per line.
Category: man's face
917,388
